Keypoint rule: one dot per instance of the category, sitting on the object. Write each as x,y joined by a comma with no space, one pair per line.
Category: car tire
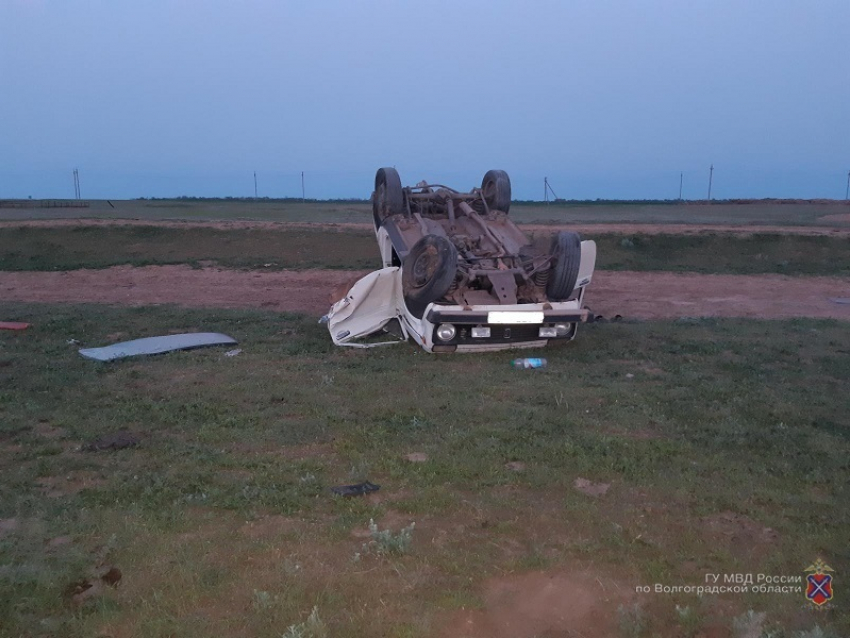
388,198
428,272
566,259
496,188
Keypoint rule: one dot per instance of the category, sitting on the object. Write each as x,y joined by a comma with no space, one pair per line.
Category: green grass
762,213
712,253
222,523
68,248
759,213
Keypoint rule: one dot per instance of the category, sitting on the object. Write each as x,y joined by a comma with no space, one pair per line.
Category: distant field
73,247
757,213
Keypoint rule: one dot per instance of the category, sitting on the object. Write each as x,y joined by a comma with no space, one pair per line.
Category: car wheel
428,272
566,259
496,187
388,198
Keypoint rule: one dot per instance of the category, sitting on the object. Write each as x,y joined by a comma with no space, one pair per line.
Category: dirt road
839,226
641,295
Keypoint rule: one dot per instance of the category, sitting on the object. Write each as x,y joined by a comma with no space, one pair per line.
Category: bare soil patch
590,488
635,295
295,291
843,218
742,535
659,295
571,603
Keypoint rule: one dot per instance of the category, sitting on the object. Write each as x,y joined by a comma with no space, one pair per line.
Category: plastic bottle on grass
527,363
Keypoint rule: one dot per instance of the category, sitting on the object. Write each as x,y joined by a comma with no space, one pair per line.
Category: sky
610,100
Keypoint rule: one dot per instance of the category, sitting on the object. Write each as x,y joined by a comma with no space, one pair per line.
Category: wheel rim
382,200
423,267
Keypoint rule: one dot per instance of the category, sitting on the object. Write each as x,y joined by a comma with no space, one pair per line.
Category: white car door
369,305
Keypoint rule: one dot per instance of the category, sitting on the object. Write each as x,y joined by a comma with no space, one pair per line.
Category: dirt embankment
641,295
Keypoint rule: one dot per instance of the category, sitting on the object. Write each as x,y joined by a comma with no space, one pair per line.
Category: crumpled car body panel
372,302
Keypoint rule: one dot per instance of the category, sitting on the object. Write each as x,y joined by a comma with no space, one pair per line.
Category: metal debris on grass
358,489
157,345
14,325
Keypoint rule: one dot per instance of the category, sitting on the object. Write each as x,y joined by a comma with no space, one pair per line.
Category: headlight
547,332
562,329
446,332
481,332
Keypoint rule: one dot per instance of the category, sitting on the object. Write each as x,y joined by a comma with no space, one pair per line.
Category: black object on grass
115,441
358,489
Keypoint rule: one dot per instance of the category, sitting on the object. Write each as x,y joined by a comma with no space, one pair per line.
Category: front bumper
480,315
509,326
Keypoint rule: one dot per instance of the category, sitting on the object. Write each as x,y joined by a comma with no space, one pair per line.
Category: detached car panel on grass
460,276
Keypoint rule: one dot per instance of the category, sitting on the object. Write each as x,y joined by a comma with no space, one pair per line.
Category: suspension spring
541,277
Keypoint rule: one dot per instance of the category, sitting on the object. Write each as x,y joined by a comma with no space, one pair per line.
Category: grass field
759,213
69,248
724,446
646,454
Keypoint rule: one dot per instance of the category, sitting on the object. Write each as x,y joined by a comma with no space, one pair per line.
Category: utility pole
847,192
710,175
681,178
547,188
255,184
76,183
303,196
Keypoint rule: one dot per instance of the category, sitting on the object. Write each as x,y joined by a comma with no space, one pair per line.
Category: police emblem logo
819,583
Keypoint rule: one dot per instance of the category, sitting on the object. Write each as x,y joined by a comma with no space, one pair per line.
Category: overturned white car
459,276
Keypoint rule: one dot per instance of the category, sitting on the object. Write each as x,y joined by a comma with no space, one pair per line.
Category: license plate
513,316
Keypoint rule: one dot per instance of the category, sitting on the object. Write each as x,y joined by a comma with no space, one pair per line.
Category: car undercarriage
463,247
459,275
